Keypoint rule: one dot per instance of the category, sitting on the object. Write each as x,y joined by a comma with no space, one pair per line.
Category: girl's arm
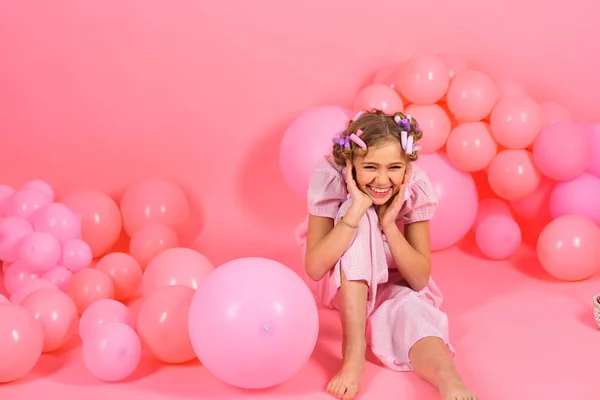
411,252
326,243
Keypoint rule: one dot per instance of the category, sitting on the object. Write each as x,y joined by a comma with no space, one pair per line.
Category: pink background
103,93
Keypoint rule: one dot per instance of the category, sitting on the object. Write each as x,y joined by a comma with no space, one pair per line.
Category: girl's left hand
389,211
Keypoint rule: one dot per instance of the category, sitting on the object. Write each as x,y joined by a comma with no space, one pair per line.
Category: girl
367,248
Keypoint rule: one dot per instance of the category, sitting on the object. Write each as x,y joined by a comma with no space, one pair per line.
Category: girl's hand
360,199
389,211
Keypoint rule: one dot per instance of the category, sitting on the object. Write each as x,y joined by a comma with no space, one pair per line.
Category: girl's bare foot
456,390
344,385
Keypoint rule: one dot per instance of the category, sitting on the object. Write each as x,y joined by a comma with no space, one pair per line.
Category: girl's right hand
360,199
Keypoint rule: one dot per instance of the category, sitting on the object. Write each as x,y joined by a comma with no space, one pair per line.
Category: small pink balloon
101,312
455,64
112,351
40,250
21,342
42,186
489,207
76,255
177,266
471,96
59,276
553,112
535,206
25,202
125,273
56,313
150,241
12,230
471,146
562,150
498,237
100,217
379,97
435,124
423,79
59,220
512,174
508,88
581,196
30,287
568,248
154,201
18,275
516,121
88,286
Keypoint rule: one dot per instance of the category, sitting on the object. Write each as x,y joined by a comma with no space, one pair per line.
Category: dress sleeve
421,203
326,191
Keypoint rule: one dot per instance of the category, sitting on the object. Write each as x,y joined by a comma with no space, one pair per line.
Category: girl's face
380,172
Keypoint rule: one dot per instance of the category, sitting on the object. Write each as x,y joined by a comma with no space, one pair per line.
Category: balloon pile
504,165
64,282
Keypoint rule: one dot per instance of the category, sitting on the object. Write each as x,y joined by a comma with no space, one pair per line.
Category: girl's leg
432,361
353,312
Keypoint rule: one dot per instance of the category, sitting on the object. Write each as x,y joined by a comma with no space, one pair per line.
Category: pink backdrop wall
103,93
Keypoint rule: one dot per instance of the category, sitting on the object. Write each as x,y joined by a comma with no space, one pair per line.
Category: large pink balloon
471,96
25,202
40,250
154,201
124,272
253,323
12,230
100,218
458,200
306,141
379,97
18,275
150,241
516,121
581,196
423,79
594,142
21,342
434,122
512,174
568,248
470,146
58,220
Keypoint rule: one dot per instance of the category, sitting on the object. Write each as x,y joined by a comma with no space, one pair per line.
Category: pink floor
519,335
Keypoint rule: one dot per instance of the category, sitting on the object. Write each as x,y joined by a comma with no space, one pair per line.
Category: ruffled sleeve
326,191
421,201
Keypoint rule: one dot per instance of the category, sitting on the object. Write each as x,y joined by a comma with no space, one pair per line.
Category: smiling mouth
379,192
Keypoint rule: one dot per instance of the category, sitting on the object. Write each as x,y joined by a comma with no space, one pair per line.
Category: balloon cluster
503,164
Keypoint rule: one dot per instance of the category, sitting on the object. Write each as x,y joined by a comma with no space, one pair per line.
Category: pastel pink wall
102,93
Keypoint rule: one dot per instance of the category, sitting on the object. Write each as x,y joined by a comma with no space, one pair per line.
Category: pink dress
398,316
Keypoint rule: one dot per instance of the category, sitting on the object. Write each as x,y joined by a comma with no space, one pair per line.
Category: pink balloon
435,124
177,266
568,248
498,237
594,142
581,196
471,96
12,230
150,241
453,63
270,336
56,313
163,325
100,218
491,207
379,97
423,79
30,287
41,186
458,200
535,206
59,220
562,150
509,88
25,202
125,273
59,276
40,250
101,312
306,141
76,255
553,112
21,342
512,174
387,76
516,121
18,275
88,286
154,201
112,351
471,147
